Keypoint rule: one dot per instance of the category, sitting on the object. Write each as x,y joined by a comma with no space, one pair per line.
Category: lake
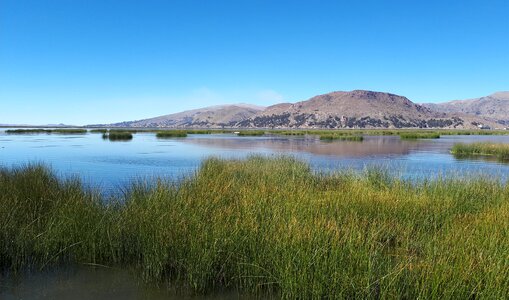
110,165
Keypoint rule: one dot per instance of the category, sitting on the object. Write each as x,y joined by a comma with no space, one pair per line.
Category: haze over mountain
354,109
494,106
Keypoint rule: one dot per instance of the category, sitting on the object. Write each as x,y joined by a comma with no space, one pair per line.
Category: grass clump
69,131
251,133
270,225
199,131
171,133
47,131
103,131
338,137
118,136
500,151
27,131
419,135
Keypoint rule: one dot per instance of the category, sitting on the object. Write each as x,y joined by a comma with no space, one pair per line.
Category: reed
171,133
500,151
118,136
251,133
270,226
103,131
337,137
419,135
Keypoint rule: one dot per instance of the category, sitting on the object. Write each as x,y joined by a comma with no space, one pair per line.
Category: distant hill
495,106
354,109
214,116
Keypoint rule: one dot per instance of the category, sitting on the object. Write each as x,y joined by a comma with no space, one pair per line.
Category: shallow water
98,283
109,165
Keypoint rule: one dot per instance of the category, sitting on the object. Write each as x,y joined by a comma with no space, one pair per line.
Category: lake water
110,165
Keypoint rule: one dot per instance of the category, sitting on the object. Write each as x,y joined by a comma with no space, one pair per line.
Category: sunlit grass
500,151
251,133
171,133
419,135
270,225
118,136
340,137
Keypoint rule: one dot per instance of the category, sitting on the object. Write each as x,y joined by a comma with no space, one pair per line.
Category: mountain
354,109
495,107
213,116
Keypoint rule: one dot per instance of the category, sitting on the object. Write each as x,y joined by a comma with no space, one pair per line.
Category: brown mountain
495,107
213,116
355,109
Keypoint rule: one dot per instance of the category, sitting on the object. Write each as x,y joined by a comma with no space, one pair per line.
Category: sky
101,61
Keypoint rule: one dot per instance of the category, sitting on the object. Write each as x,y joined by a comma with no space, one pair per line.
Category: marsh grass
499,151
419,135
270,225
251,133
171,133
47,131
103,131
118,136
339,137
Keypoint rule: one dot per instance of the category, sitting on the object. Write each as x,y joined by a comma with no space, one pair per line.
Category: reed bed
118,136
251,133
47,131
419,135
270,226
500,151
338,137
103,131
171,133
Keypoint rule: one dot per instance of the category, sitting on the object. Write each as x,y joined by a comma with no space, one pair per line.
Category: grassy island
171,133
419,135
500,151
118,136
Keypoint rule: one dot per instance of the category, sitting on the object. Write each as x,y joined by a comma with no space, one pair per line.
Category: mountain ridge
338,109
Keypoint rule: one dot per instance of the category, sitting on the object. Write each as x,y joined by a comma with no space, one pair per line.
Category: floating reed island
340,137
251,133
171,134
47,131
118,136
269,226
419,135
499,151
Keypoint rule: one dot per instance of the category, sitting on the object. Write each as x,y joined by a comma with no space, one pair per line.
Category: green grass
69,131
103,131
270,226
251,133
199,131
47,131
419,135
500,151
171,133
290,132
339,137
118,136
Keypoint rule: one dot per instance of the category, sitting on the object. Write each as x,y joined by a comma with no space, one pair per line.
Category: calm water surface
112,164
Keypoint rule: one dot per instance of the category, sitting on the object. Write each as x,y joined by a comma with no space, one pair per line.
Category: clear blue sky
85,61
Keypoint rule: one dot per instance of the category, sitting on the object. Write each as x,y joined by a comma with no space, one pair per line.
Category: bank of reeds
500,151
103,131
339,137
419,135
171,133
118,136
270,225
251,133
47,131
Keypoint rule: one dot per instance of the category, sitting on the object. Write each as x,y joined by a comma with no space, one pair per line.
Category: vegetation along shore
269,226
